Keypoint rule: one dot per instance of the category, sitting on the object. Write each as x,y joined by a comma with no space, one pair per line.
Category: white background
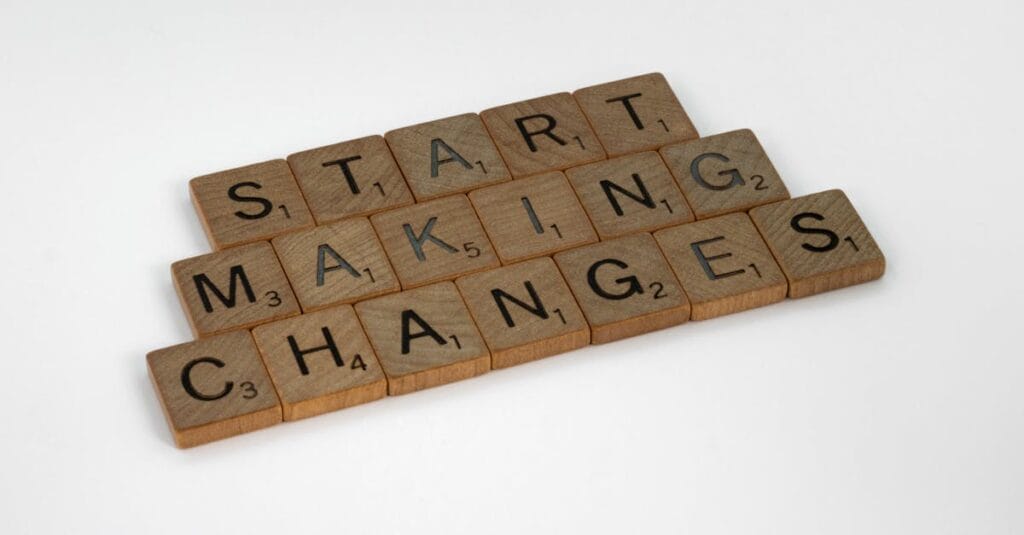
892,407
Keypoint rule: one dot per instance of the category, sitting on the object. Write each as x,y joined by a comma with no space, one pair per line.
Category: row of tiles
321,361
443,238
443,157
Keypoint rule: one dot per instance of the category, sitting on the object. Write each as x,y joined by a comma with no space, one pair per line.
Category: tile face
723,264
433,241
233,289
524,312
352,178
424,337
213,388
532,217
447,156
724,173
320,362
820,242
635,114
543,134
248,204
624,287
629,194
338,263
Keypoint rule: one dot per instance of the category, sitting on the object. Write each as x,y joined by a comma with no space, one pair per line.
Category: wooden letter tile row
471,243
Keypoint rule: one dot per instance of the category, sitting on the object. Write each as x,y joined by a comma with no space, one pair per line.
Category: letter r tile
237,288
447,156
213,388
635,114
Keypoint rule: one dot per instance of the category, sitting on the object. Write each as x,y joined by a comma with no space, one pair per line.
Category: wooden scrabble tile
723,265
624,287
724,173
232,289
532,217
524,312
635,114
820,242
248,204
357,177
213,388
342,262
434,240
633,193
447,156
424,337
320,362
543,134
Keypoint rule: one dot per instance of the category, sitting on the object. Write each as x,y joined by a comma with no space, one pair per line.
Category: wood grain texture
628,194
236,288
434,241
724,173
635,114
723,265
213,388
624,287
352,178
342,262
820,242
320,362
524,312
532,217
542,134
424,338
446,156
249,204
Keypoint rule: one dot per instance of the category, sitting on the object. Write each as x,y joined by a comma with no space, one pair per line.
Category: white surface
893,407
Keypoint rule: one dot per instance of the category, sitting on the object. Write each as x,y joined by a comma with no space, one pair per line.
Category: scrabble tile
543,134
357,177
629,194
434,240
342,262
820,242
524,312
635,114
248,204
723,265
724,173
424,337
624,287
532,217
447,156
237,288
213,388
320,362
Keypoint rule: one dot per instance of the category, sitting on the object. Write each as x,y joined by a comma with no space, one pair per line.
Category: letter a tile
724,173
447,156
635,114
352,178
334,264
213,388
424,338
723,264
237,288
542,134
629,194
320,362
434,241
820,242
532,217
524,312
248,204
624,287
